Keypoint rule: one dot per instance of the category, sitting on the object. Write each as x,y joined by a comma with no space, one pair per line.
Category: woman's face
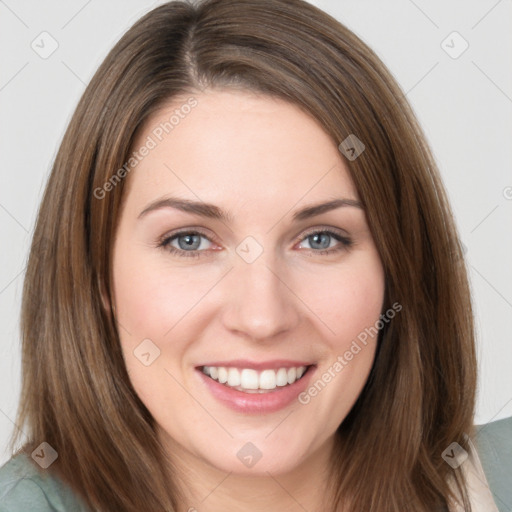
242,253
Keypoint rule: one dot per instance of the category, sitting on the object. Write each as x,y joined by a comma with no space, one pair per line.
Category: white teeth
223,375
282,377
250,380
233,377
268,379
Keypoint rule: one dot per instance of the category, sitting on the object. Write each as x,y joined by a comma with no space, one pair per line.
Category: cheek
346,300
157,308
349,303
148,307
154,302
151,297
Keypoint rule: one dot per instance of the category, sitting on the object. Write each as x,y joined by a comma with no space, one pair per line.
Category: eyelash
164,243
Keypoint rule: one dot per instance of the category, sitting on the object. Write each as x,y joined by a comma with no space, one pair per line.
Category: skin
260,159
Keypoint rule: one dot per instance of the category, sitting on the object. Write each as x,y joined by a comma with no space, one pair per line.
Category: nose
258,300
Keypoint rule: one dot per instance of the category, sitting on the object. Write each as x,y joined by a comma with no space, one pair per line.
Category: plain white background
464,105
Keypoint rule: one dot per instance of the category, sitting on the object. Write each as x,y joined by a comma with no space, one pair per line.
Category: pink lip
256,403
259,366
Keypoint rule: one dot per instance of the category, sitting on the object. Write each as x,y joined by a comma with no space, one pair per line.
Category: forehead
236,147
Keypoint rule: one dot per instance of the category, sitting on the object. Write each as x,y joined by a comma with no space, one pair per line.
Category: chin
258,457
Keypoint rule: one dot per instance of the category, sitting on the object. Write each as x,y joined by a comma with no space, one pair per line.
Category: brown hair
76,393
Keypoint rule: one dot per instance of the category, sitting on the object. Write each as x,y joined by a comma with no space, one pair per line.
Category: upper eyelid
299,238
325,229
190,231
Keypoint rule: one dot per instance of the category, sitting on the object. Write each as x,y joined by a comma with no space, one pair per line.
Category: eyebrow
214,212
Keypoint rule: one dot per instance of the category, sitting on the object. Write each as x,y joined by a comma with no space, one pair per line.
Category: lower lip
257,403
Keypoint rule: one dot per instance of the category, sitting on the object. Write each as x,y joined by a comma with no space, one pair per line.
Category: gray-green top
25,487
494,445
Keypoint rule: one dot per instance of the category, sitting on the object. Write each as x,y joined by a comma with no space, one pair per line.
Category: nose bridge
258,301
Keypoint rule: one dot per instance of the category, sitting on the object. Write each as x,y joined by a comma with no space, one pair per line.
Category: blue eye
190,243
320,241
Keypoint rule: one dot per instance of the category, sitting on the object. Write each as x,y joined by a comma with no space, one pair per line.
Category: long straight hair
76,393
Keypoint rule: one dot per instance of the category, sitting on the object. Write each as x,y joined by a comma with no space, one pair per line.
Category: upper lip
275,364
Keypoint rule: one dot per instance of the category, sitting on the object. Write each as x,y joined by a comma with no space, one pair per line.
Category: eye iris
323,239
191,241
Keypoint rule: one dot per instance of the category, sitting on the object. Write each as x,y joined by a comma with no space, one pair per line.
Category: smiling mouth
249,380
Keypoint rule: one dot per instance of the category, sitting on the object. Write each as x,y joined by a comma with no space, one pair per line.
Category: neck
205,488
